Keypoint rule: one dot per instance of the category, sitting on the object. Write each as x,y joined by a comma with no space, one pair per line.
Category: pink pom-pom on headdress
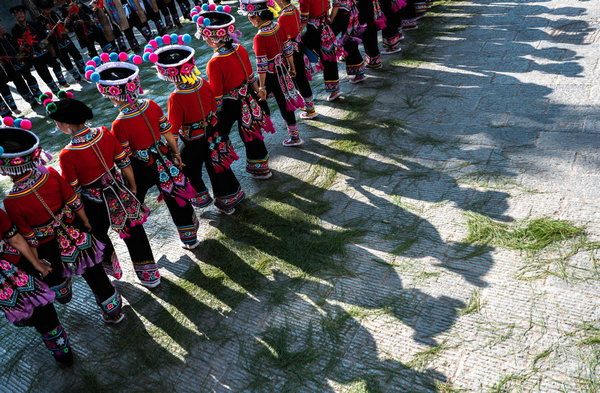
105,57
26,124
8,121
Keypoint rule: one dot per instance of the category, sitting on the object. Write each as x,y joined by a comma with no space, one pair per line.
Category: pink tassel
268,125
180,202
289,105
187,194
398,5
380,23
218,168
300,103
233,154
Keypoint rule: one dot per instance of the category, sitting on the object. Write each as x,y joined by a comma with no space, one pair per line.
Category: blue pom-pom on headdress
186,38
206,21
114,56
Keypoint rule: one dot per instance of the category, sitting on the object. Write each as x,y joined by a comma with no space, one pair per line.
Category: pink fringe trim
226,160
380,23
268,125
86,260
253,133
398,5
28,303
185,195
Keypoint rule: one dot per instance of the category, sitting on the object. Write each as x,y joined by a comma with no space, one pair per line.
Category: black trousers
43,318
17,79
393,20
300,79
41,65
230,112
71,50
312,40
366,16
169,11
137,244
273,86
339,25
196,154
183,216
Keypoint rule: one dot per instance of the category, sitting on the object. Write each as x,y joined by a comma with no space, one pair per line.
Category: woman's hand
262,95
87,226
177,161
43,266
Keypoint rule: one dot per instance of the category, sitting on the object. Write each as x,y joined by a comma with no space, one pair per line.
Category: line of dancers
57,225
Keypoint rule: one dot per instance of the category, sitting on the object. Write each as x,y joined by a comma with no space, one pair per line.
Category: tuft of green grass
507,383
540,357
474,304
447,387
422,359
528,235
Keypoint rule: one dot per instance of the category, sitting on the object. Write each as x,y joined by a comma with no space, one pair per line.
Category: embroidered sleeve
122,160
31,239
288,48
219,101
75,186
127,149
164,125
304,10
75,203
12,232
6,226
262,64
252,78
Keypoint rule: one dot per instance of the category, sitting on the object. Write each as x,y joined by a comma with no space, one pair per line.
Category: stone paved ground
349,271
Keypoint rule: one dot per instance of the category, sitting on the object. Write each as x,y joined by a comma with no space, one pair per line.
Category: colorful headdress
174,61
20,149
114,76
255,7
215,23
